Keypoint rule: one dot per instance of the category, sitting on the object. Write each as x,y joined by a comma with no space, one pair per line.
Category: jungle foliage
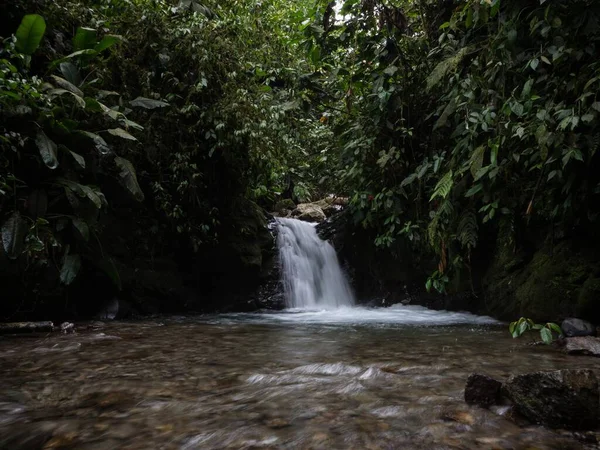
456,118
442,120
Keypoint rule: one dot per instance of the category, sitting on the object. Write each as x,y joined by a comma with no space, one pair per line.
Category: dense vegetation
465,133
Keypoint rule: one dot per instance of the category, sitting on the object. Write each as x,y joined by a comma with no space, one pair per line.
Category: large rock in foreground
558,399
583,345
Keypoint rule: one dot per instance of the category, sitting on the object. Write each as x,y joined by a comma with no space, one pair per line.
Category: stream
353,378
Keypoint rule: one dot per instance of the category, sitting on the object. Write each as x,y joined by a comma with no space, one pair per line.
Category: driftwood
26,327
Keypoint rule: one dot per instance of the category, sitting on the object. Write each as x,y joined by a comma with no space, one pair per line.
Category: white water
311,273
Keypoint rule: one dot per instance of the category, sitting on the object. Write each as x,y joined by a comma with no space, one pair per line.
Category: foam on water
397,315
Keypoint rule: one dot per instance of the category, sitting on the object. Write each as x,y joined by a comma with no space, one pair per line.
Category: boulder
576,327
284,205
482,390
583,345
309,212
558,399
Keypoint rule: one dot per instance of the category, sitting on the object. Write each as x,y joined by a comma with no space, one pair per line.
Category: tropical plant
523,325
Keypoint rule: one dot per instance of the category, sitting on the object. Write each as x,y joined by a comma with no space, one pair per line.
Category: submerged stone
583,345
558,399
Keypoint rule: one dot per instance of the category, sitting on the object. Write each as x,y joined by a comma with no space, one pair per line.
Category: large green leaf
13,235
546,335
148,103
78,158
107,41
71,73
82,228
30,33
120,132
47,149
128,178
70,269
85,39
67,85
99,143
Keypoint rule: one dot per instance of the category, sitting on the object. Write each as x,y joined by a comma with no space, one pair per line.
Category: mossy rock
557,282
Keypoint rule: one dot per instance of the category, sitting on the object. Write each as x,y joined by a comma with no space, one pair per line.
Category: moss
555,283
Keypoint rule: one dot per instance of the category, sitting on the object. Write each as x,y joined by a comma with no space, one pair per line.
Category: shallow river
349,379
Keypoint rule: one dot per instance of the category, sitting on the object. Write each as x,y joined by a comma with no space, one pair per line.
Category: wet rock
576,327
109,310
558,399
26,327
309,212
67,328
482,390
583,345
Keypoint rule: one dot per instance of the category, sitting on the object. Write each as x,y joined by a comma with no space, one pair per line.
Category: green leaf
148,103
428,284
511,327
68,86
47,149
517,108
121,133
474,190
522,328
30,33
82,228
71,73
534,63
546,335
70,269
85,38
444,186
82,190
78,158
128,178
99,143
554,327
107,41
13,235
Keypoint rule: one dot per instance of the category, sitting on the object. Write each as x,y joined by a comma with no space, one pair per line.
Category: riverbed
355,378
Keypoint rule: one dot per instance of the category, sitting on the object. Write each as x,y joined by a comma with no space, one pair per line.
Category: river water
348,379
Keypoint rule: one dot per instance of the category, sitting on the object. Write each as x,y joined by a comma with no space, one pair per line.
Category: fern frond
468,229
446,209
444,186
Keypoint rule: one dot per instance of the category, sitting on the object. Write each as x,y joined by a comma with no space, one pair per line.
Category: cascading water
312,276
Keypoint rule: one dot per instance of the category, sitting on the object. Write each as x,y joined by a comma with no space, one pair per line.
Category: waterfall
311,274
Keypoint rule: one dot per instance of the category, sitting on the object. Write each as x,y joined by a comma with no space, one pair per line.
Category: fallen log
26,327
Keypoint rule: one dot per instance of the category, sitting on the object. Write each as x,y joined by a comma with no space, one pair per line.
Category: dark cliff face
154,273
